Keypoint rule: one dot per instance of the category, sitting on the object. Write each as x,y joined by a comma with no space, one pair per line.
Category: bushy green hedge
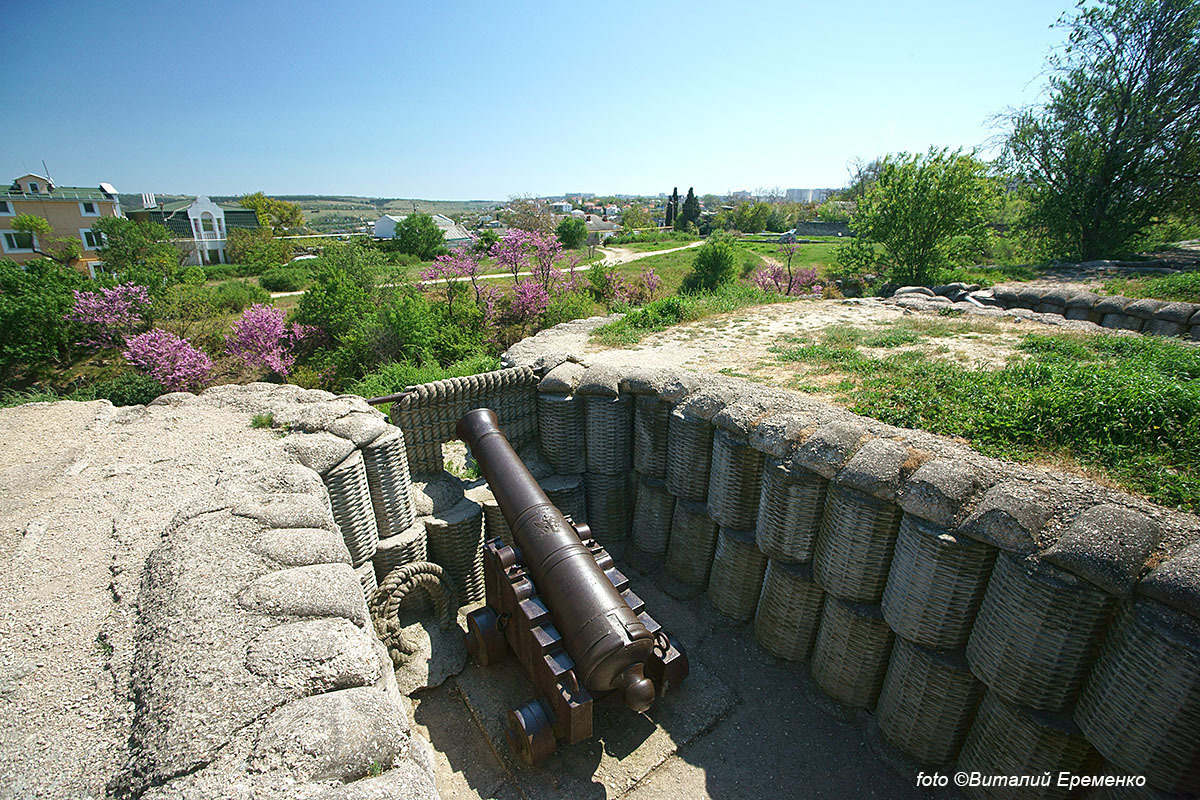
235,296
284,279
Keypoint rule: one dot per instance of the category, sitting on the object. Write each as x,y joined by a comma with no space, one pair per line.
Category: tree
528,213
863,175
419,235
636,218
715,264
672,208
35,301
689,213
140,252
278,215
65,250
1117,143
750,217
924,211
572,232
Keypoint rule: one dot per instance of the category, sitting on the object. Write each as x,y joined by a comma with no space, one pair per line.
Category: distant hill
345,213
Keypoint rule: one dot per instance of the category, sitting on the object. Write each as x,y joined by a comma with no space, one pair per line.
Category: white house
454,234
199,226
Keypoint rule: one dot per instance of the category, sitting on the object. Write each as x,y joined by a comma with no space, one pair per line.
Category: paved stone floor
744,724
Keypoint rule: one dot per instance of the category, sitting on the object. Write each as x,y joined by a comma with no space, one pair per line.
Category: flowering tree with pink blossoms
530,298
774,278
512,251
110,314
171,361
261,339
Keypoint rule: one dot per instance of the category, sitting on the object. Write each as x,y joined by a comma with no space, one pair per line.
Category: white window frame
84,213
12,212
7,249
83,232
34,187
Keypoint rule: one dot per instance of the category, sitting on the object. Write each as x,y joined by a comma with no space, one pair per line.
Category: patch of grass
1129,406
662,314
13,398
263,420
103,647
398,376
1181,287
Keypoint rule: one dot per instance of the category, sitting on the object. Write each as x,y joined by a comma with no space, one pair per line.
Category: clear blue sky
472,100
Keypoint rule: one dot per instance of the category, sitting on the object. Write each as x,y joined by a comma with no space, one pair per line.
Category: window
92,240
18,242
206,220
88,208
34,187
6,209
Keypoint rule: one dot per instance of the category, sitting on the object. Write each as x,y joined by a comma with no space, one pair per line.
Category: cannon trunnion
556,600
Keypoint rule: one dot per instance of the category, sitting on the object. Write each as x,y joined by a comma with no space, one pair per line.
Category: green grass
262,420
987,276
1181,287
818,256
1127,406
398,376
662,314
651,247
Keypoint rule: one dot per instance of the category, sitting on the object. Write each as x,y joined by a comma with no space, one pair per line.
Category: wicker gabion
689,455
560,420
407,547
935,584
735,482
789,611
389,480
854,547
608,505
568,495
1036,632
851,654
455,541
609,425
350,497
1006,739
651,422
366,576
789,512
1140,706
693,543
927,702
652,511
737,574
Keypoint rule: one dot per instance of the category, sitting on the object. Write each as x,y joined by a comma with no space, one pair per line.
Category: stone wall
257,670
979,615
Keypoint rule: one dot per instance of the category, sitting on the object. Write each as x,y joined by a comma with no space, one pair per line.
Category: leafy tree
64,249
750,217
278,215
35,299
672,208
140,252
419,235
528,213
924,211
636,218
484,241
1118,141
834,211
572,232
258,249
715,264
689,213
343,291
863,175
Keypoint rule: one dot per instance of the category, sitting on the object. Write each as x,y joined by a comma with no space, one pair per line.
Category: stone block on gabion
689,454
1108,545
850,657
737,574
568,495
608,505
735,482
651,524
651,423
454,539
692,545
927,702
854,547
386,462
1036,633
350,496
1007,739
608,422
789,611
790,508
1140,706
935,584
561,440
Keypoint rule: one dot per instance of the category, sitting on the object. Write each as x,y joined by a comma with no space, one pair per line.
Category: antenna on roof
46,169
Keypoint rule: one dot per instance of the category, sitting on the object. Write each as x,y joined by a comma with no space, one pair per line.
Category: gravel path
85,493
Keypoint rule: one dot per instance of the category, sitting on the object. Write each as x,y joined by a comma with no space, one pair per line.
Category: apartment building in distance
70,210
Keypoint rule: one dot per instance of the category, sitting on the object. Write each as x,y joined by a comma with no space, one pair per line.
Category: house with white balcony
198,226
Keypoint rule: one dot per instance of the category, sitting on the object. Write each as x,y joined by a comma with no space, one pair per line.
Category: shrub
35,299
572,232
399,375
284,279
261,339
193,275
126,389
235,296
171,361
110,314
715,264
566,307
217,272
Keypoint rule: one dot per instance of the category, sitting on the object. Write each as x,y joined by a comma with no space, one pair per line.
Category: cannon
557,601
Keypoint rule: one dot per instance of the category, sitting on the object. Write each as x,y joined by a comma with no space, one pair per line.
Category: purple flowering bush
110,314
774,278
261,339
530,298
171,361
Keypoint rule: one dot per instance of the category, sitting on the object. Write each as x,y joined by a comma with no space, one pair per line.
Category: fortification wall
975,613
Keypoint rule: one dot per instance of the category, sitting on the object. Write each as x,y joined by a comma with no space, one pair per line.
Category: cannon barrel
608,643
